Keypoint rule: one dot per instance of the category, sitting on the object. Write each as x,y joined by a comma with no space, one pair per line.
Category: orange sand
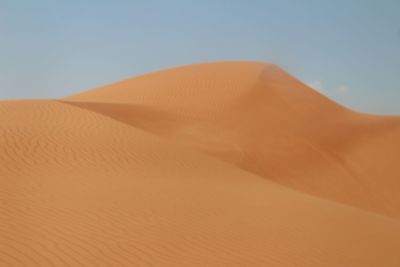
220,164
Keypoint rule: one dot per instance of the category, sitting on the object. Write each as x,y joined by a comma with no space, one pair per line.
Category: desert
233,163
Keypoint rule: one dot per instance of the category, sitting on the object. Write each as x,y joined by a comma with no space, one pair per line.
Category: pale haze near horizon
348,50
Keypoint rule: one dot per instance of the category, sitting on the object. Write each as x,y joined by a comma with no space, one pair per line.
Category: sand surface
218,164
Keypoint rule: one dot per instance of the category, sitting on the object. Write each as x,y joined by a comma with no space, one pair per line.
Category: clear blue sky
349,49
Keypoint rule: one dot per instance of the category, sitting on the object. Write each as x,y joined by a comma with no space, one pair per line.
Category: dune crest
220,164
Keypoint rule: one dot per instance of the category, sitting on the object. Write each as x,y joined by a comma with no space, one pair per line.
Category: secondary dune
222,164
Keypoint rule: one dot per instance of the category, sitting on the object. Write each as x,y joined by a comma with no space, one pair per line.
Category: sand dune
261,119
223,164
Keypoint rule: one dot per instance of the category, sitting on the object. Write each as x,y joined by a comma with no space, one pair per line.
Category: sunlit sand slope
264,121
78,188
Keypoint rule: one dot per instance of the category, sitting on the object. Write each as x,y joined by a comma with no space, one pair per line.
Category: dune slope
78,188
264,121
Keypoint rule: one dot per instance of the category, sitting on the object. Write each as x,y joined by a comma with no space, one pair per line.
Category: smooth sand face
197,166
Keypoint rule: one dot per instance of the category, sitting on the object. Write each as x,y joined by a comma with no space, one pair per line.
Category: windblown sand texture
218,164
